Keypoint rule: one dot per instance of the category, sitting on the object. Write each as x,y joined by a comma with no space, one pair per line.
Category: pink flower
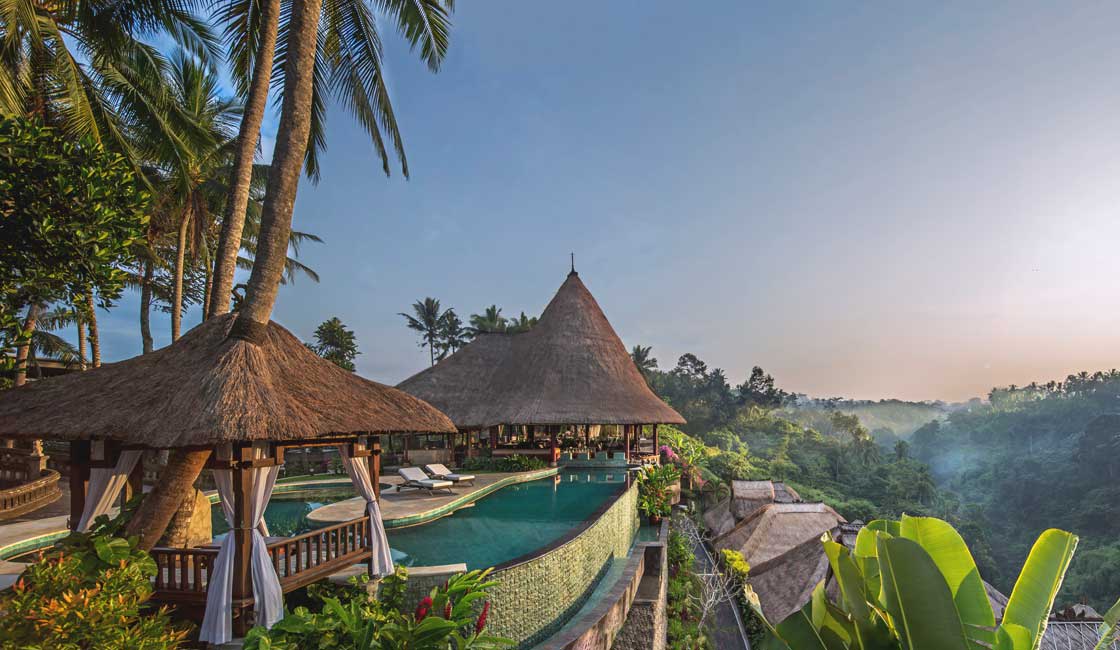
482,619
423,608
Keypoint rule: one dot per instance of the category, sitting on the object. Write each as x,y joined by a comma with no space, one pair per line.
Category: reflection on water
287,512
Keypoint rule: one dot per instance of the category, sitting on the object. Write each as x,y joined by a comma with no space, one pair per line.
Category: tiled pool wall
535,598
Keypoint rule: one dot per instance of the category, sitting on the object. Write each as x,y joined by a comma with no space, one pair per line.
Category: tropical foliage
452,617
335,343
655,484
90,591
682,608
913,584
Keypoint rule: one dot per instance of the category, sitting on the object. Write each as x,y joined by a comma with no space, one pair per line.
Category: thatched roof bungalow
777,528
571,368
245,391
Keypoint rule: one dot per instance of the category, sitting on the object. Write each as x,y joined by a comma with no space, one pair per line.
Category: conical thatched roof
206,389
571,368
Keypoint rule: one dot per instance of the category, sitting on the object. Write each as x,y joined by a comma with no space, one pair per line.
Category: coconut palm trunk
160,505
94,334
233,222
23,346
146,307
180,262
81,323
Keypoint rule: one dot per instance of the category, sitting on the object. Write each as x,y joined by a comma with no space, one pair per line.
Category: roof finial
573,264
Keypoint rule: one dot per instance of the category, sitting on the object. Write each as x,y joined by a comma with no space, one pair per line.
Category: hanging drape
105,484
217,624
358,471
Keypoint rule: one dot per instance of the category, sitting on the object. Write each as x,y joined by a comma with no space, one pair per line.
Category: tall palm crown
643,358
490,320
80,66
429,319
348,62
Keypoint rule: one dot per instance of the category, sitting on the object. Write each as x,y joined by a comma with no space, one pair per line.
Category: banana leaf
918,598
1110,628
952,557
1039,581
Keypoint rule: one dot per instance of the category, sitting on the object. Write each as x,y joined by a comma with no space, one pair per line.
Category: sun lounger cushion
440,470
416,476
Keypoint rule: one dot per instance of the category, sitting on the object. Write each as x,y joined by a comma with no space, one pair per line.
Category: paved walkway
408,503
725,625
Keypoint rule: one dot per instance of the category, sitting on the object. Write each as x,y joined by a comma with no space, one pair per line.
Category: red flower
423,608
482,619
447,610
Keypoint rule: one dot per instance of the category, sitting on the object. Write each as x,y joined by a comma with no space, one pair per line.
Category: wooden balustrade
184,574
21,499
183,571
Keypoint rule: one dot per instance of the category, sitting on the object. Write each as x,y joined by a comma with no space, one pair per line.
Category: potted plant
655,491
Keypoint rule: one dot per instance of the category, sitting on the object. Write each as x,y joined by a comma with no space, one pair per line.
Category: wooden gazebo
247,396
569,370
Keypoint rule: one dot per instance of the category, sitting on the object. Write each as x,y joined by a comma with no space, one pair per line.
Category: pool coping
455,504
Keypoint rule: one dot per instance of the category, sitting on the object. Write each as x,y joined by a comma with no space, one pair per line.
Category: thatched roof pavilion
571,368
207,389
247,392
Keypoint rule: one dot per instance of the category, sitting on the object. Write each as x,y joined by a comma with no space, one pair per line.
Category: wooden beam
135,485
79,480
242,542
374,461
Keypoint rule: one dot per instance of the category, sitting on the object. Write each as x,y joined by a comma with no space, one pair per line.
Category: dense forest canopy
1002,471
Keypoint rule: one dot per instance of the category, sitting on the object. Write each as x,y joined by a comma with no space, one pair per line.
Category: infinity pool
509,523
505,525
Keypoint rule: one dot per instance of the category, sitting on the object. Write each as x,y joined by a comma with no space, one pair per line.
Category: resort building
565,390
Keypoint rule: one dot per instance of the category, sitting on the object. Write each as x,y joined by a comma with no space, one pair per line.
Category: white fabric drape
105,484
358,471
217,624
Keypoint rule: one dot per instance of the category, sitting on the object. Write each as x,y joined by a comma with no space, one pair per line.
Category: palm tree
347,64
452,335
294,133
184,174
643,358
430,320
80,66
489,321
522,324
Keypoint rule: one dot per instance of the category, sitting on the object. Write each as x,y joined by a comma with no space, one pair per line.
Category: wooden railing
21,499
184,573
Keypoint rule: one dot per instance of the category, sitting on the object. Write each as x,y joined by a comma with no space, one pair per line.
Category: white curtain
217,624
105,484
358,471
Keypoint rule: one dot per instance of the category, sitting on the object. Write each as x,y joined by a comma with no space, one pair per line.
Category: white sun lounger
414,477
440,471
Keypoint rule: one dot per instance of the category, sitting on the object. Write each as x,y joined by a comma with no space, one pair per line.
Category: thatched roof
785,583
778,527
206,389
571,368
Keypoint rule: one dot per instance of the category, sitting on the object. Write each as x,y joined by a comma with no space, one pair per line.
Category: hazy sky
866,199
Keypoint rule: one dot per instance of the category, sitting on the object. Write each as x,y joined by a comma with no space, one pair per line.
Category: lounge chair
414,477
440,471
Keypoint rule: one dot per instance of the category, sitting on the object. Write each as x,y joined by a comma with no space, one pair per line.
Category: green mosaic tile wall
534,599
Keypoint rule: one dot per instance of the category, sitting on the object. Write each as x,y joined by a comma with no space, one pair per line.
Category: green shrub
515,463
452,617
682,602
88,592
736,565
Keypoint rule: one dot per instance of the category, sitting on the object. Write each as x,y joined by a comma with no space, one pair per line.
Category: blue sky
870,200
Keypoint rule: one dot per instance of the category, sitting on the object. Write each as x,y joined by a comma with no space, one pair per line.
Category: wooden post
626,438
135,485
494,437
530,432
79,480
242,542
374,462
656,445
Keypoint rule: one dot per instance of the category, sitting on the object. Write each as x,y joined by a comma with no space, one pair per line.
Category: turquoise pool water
286,513
502,526
509,523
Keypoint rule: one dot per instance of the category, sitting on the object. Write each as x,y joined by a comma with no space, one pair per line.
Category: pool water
515,520
509,523
286,513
